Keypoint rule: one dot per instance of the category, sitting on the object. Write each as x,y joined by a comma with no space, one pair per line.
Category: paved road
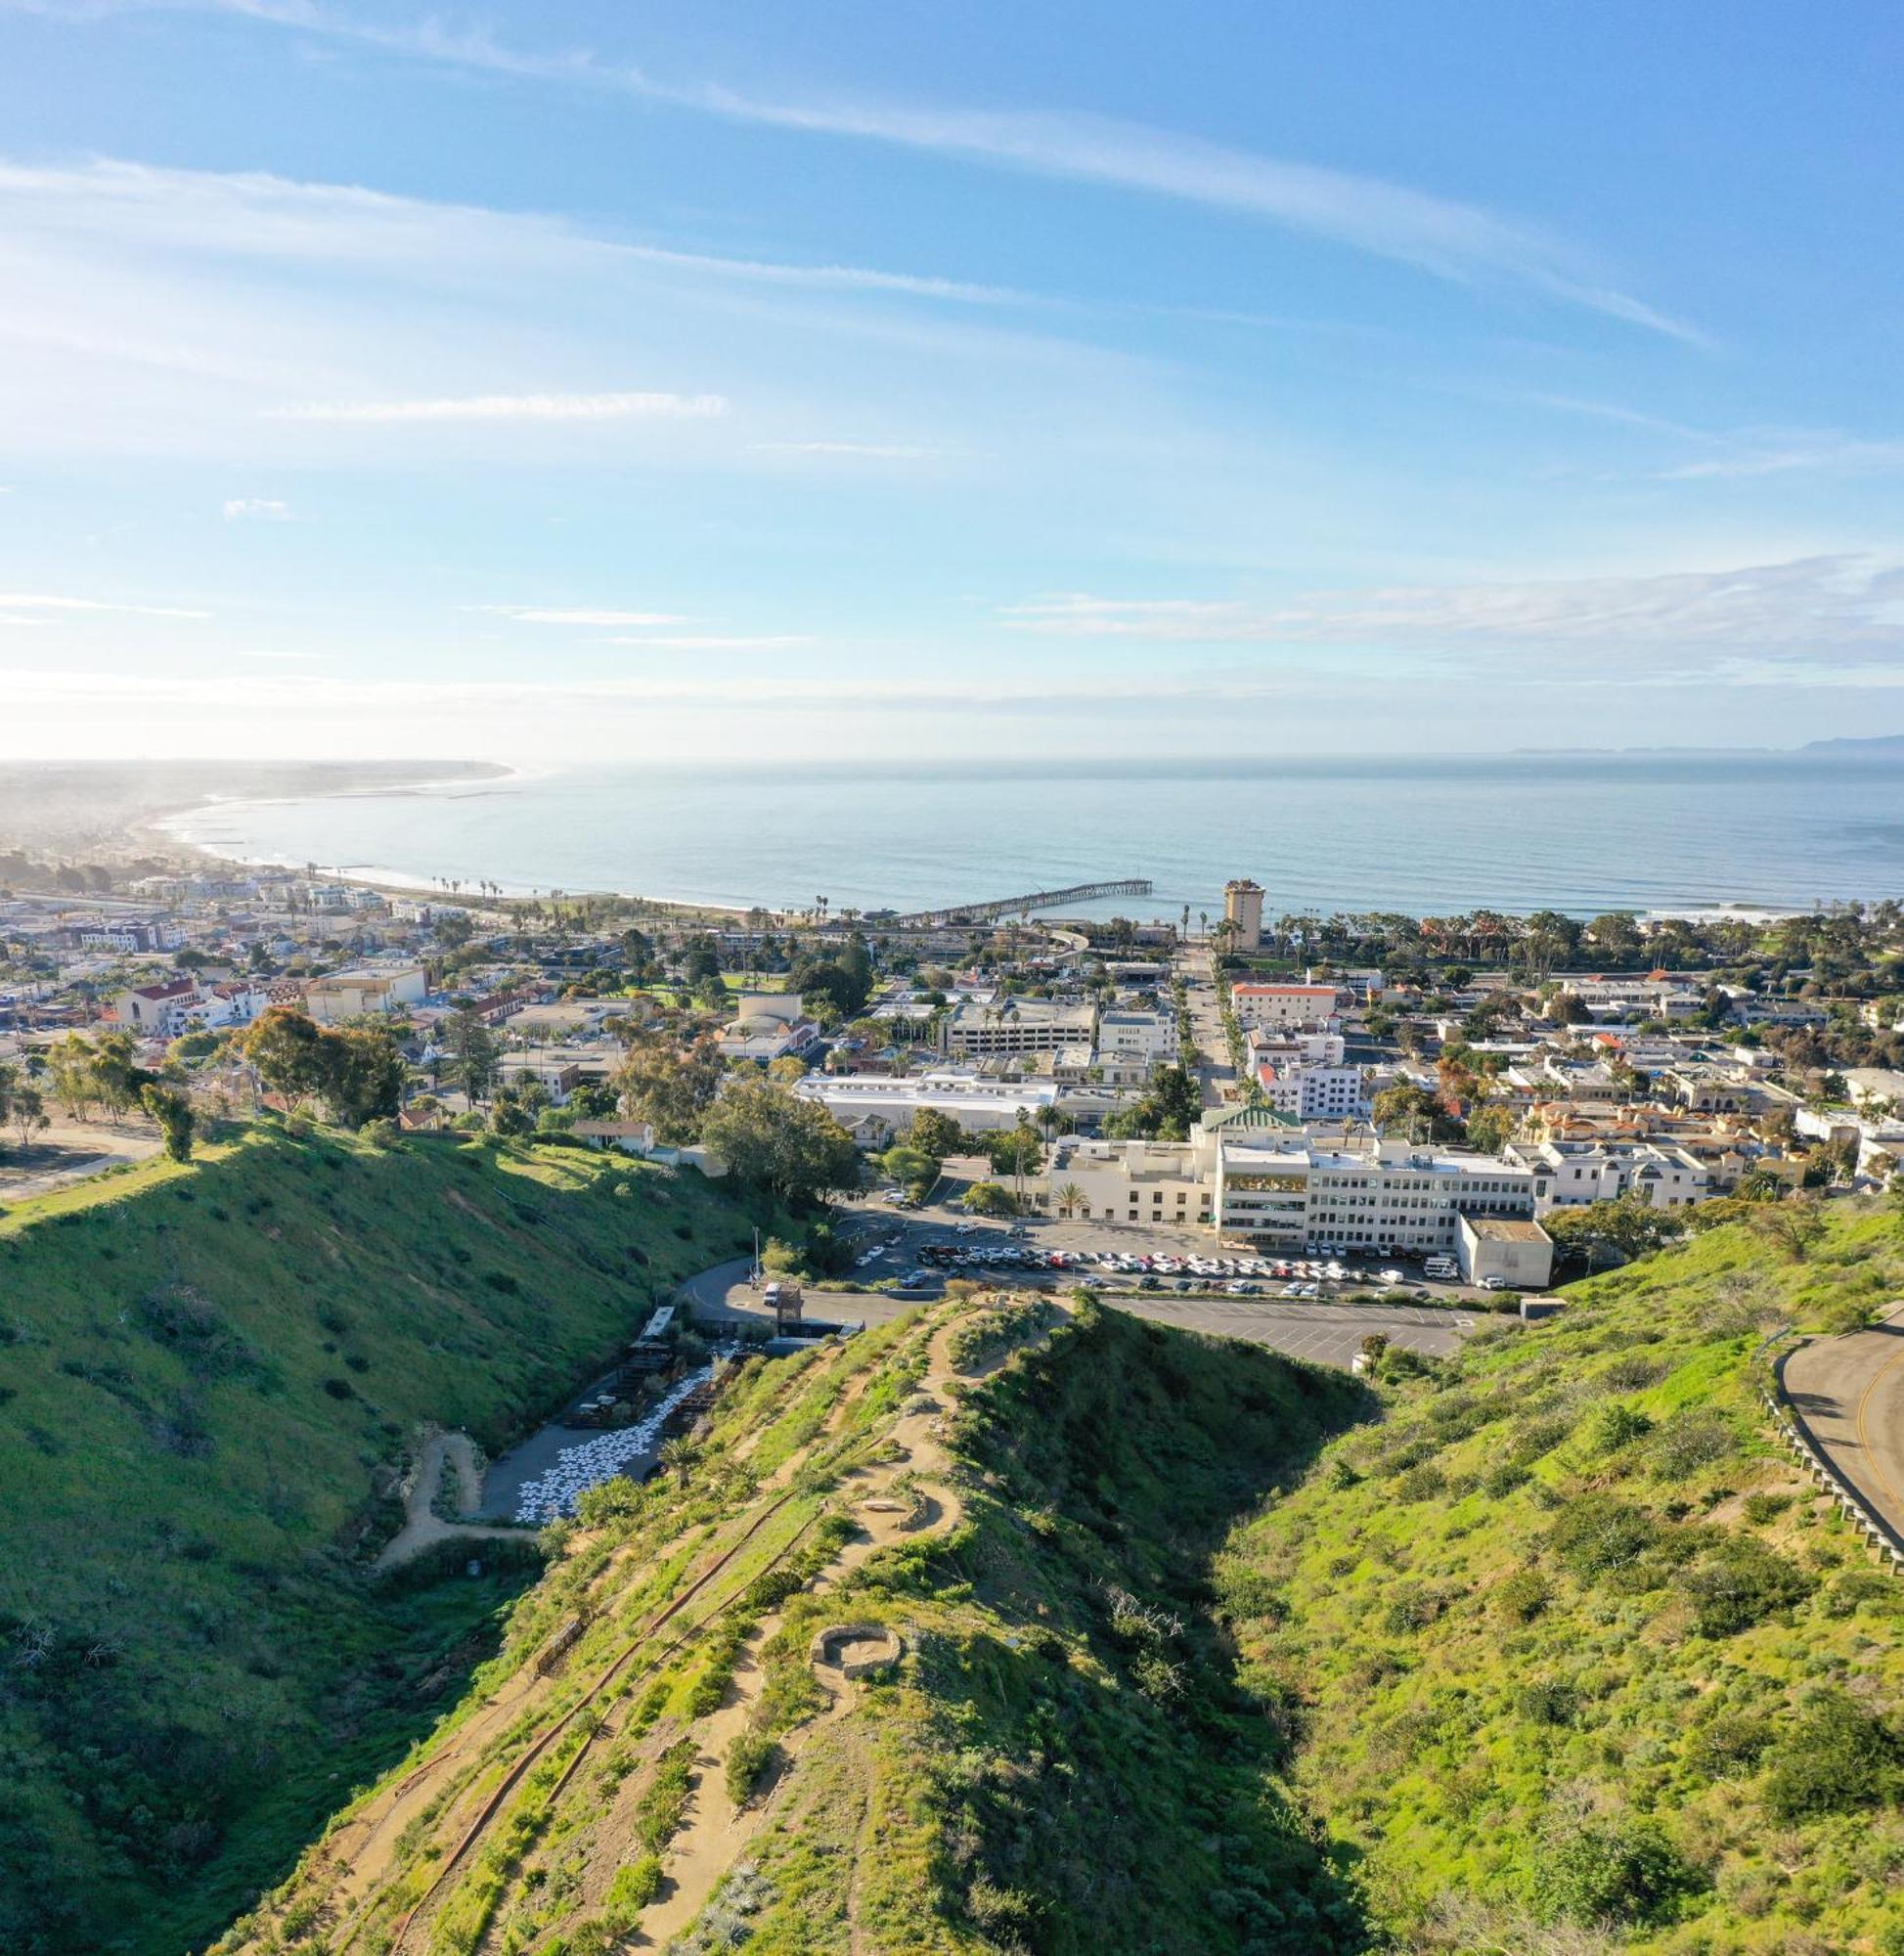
1849,1393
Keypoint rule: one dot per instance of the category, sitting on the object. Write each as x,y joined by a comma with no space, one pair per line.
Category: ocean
1577,832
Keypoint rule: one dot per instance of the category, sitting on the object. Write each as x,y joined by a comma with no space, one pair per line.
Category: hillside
1574,1644
1026,1733
208,1374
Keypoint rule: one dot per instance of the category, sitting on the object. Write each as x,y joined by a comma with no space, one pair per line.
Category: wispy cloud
1850,603
1446,236
1819,454
511,407
23,601
714,643
530,614
864,450
256,509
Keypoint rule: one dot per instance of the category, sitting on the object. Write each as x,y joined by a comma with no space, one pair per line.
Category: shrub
1598,1534
1739,1583
1689,1442
749,1759
1549,1701
1728,1743
1523,1595
1420,1483
1835,1759
1618,1425
1857,1588
635,1883
1609,1871
505,1281
1761,1508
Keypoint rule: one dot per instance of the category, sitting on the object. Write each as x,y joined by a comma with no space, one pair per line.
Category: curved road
1849,1394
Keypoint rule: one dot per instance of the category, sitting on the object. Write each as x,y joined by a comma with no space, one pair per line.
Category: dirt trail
422,1528
715,1834
361,1854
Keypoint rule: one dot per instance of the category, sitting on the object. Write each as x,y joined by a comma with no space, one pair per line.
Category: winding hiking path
422,1526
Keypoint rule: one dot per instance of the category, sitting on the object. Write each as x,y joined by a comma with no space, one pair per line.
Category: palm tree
1069,1197
679,1455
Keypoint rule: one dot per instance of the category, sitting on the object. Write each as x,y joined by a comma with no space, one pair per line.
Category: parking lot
1326,1330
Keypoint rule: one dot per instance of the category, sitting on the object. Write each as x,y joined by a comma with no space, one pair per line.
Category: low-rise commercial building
1497,1249
1282,1005
875,1110
1576,1173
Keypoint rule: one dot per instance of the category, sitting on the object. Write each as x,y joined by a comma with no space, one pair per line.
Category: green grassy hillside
1065,1758
1580,1660
206,1375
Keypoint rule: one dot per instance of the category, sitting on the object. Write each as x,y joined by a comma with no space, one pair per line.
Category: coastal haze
1423,836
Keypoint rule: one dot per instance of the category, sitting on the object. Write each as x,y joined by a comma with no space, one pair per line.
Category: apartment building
1574,1173
1282,1005
359,992
1125,1034
1315,1092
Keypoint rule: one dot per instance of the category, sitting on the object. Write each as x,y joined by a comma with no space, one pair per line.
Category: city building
1282,1005
1284,1193
1314,1092
1243,913
1499,1250
366,989
875,1110
1152,1183
1576,1173
1016,1026
1126,1034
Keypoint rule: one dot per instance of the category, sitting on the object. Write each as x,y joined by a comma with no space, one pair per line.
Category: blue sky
672,380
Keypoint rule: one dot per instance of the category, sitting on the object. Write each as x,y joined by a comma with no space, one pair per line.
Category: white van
1442,1269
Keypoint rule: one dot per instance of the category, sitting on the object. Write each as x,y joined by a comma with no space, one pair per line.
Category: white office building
874,1109
1574,1173
1285,1193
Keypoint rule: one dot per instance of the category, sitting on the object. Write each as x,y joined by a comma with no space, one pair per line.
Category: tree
775,1140
989,1198
474,1054
1490,1128
70,1073
669,1088
116,1073
1415,1109
363,1075
173,1112
1794,1227
915,1171
451,929
286,1050
935,1134
1070,1198
1626,1228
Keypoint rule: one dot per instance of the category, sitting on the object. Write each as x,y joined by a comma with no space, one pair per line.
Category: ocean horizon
1426,835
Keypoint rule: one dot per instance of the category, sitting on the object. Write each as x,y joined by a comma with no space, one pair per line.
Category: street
1849,1393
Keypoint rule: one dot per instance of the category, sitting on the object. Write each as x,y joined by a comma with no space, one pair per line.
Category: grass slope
204,1374
1584,1662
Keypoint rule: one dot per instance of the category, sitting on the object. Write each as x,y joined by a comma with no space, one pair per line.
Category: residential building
1243,913
1576,1172
365,990
1314,1092
1282,1005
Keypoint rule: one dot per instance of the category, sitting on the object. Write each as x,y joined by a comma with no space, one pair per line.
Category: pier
1004,907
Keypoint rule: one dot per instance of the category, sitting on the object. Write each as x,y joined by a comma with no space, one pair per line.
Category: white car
1392,1278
